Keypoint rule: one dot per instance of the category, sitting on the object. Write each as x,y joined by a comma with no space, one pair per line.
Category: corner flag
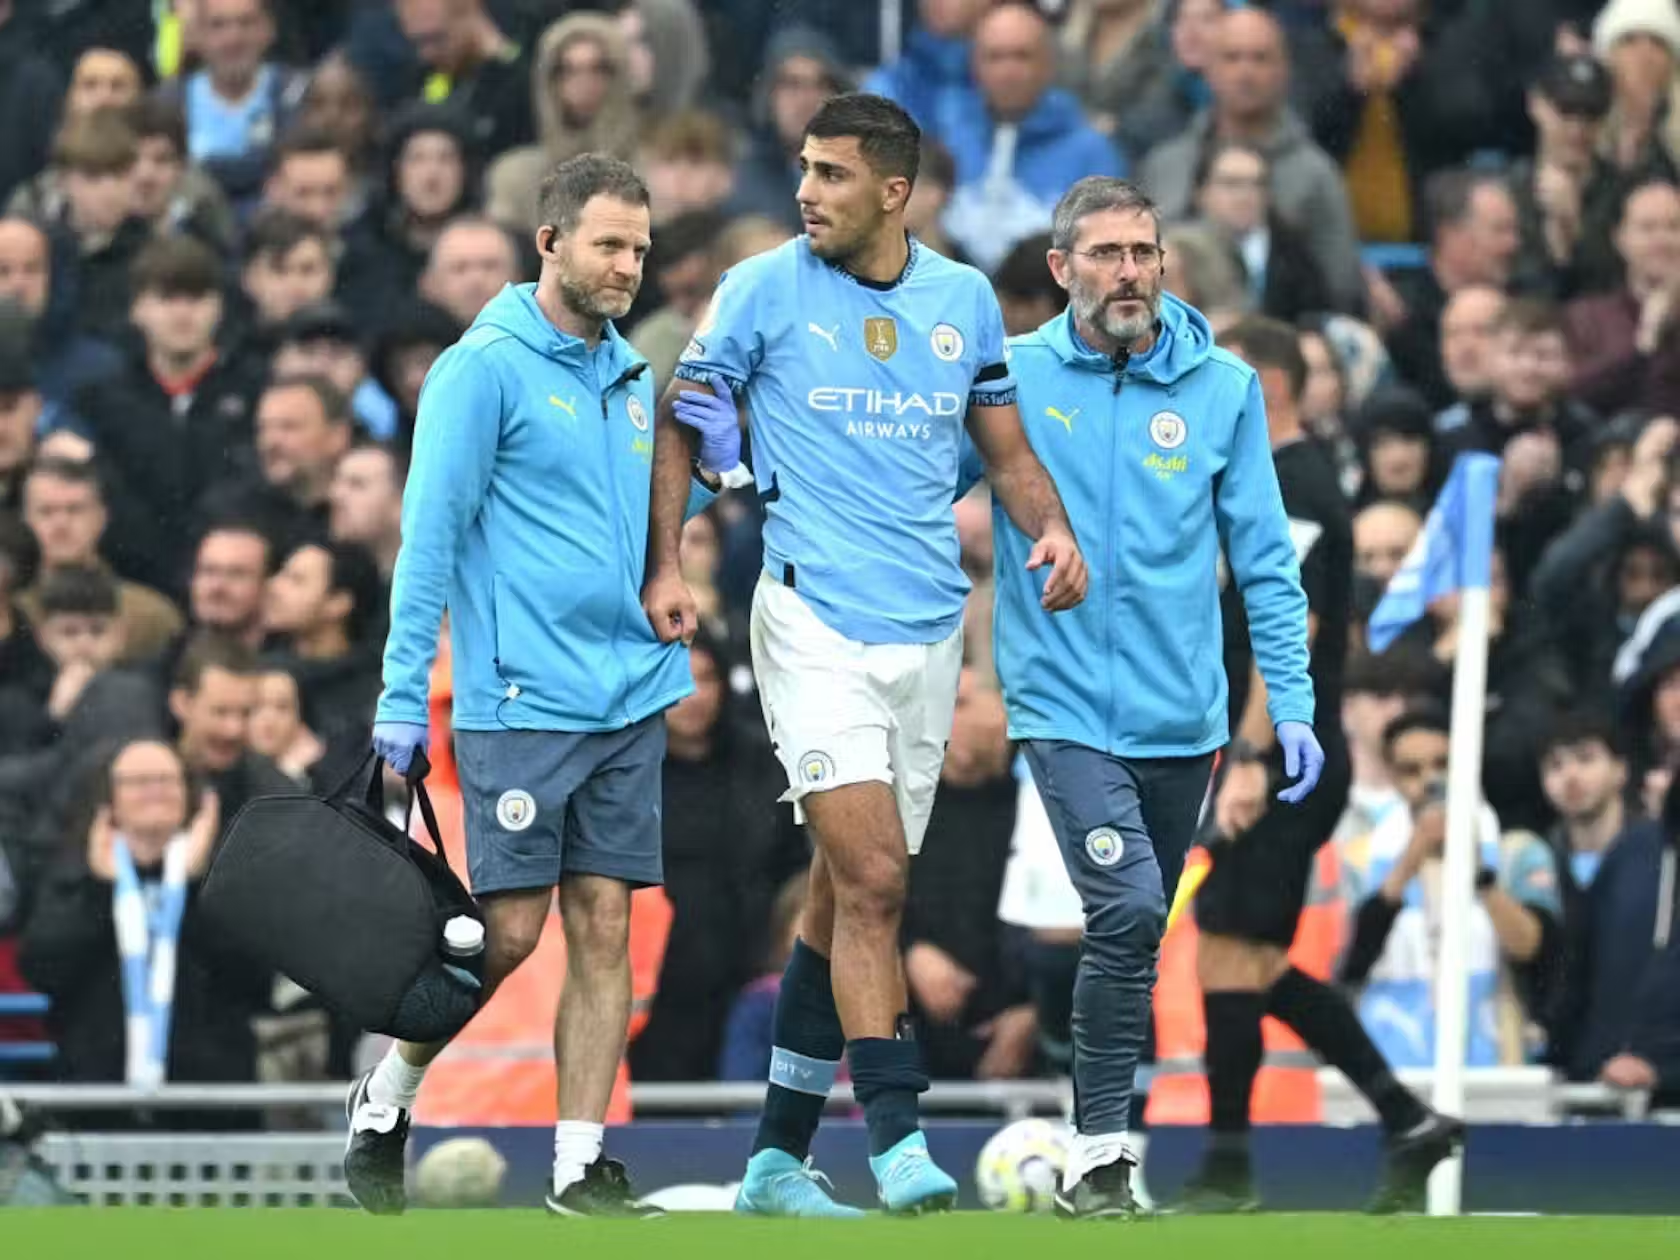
1454,551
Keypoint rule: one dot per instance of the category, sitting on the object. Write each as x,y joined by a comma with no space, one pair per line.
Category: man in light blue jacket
526,515
1157,440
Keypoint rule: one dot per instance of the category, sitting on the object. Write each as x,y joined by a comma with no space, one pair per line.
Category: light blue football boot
911,1184
777,1184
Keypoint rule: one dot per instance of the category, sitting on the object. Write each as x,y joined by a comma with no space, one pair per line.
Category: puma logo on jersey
1066,419
570,408
830,335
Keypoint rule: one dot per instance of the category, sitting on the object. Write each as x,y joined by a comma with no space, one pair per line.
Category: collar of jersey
884,285
1063,335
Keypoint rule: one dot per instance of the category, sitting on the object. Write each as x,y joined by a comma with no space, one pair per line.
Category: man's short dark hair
1448,195
176,266
887,136
74,472
156,117
690,233
274,233
1269,343
335,403
1025,271
1424,715
100,143
208,650
81,591
1531,317
241,525
568,187
1392,673
303,141
1578,727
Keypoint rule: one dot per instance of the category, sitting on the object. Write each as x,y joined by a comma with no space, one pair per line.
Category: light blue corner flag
1454,551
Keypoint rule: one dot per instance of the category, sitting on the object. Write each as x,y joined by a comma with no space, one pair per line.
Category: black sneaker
1103,1193
373,1153
604,1191
1411,1158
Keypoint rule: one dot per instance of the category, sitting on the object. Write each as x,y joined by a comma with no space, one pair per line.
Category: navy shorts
541,805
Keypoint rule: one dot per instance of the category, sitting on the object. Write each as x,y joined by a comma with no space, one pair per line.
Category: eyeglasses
1146,256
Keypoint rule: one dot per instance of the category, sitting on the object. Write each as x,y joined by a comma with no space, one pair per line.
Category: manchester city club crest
1104,846
515,810
815,768
880,337
947,343
638,413
1167,430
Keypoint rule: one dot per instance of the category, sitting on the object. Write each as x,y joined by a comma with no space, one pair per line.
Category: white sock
395,1081
577,1144
1140,1188
1094,1150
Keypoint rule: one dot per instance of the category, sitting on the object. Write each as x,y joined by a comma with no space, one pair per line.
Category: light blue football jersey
855,395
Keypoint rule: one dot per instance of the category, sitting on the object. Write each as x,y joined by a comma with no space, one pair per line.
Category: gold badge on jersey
880,337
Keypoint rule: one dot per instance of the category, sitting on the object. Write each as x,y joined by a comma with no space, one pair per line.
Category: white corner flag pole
1464,797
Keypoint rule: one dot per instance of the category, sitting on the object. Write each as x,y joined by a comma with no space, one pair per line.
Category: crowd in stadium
235,234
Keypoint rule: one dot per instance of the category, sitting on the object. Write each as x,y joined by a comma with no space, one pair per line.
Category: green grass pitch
510,1235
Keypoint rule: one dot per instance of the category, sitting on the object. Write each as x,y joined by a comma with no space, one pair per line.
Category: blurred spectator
1568,195
1640,41
1392,103
365,499
802,69
1249,77
140,993
238,102
1382,535
1116,56
1397,456
323,607
1026,290
932,77
22,663
303,427
30,88
24,416
1621,1024
1375,691
404,352
1472,220
749,1032
1233,181
718,824
669,56
64,507
974,539
1469,327
688,161
229,579
963,988
93,171
684,270
289,264
104,78
175,419
171,193
279,732
431,177
322,340
1019,143
1203,272
472,260
1626,345
467,60
1595,580
60,359
211,697
337,104
936,179
580,83
1392,874
309,175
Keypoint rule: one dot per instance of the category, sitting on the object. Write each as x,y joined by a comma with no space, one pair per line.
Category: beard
1098,310
595,302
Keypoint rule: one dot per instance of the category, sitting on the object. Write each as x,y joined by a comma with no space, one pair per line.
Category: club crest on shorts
947,343
815,768
1167,430
1104,846
638,413
515,810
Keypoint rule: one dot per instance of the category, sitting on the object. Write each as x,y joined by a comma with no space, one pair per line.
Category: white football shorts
844,712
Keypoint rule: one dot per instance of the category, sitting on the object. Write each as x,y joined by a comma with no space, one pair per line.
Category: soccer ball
1021,1165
